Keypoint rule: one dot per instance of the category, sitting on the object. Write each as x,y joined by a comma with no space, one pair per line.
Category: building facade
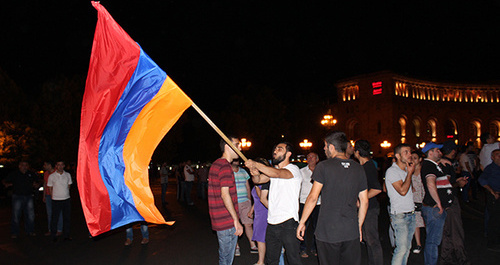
386,109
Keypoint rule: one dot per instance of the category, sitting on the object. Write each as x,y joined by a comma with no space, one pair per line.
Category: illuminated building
385,107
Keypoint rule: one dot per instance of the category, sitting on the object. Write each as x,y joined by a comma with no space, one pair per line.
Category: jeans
23,204
493,207
279,236
404,228
48,205
434,223
144,232
163,192
227,245
371,237
58,207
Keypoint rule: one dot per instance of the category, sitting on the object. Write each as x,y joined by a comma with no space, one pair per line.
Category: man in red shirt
223,202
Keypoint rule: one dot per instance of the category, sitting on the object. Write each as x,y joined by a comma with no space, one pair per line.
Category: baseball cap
431,145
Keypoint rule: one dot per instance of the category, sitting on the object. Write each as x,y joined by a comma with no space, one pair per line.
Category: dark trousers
164,192
63,206
452,244
282,235
493,206
371,238
313,220
188,186
346,252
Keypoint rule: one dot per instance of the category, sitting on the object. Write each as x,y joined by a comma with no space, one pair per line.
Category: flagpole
229,142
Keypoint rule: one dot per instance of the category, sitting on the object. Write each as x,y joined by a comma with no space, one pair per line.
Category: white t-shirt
485,155
284,197
466,158
187,175
60,185
399,204
306,185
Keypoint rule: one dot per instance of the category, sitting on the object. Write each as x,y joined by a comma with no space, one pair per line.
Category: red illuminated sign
449,136
377,88
377,84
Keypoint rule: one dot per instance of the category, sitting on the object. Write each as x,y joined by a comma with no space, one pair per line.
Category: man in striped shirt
223,202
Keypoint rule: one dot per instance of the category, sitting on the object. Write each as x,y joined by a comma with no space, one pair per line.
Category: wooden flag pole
229,142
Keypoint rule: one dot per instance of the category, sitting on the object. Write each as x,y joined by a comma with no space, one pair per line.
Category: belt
405,213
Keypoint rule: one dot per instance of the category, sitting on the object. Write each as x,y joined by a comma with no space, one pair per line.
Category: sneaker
237,252
314,253
254,250
145,241
128,242
417,250
47,234
303,254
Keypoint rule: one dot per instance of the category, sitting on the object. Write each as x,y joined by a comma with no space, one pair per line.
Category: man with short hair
48,167
243,192
402,210
59,183
164,182
370,226
23,183
453,241
283,211
490,180
223,202
341,182
305,189
438,197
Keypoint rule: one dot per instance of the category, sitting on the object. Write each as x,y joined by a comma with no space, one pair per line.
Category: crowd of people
337,199
274,201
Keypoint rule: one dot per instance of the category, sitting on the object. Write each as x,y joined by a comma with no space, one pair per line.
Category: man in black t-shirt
370,226
341,181
23,184
438,197
452,244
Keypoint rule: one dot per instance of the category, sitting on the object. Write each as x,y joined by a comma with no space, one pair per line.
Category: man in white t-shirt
402,211
489,145
59,183
283,211
305,189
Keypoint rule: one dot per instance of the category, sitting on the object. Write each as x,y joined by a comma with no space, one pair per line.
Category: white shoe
237,252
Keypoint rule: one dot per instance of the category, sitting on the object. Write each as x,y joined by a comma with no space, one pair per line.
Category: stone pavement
189,241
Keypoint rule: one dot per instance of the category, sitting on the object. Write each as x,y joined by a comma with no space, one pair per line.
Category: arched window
431,129
416,126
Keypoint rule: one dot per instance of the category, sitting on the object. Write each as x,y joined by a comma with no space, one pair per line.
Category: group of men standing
56,187
340,180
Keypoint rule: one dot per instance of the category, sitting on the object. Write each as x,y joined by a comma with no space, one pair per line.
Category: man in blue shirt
490,180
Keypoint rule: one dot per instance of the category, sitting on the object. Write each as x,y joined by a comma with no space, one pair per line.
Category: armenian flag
128,106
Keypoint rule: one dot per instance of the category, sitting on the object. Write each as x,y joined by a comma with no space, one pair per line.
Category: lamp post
245,144
328,121
305,145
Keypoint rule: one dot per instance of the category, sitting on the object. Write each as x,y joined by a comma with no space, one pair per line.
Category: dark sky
219,47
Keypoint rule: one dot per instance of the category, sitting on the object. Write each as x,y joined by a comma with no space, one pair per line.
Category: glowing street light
245,144
328,121
306,145
385,144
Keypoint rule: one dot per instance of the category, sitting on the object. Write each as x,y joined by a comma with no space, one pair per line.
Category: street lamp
328,120
385,144
306,145
245,144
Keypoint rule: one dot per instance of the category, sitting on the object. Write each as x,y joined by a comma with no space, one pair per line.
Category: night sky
219,47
